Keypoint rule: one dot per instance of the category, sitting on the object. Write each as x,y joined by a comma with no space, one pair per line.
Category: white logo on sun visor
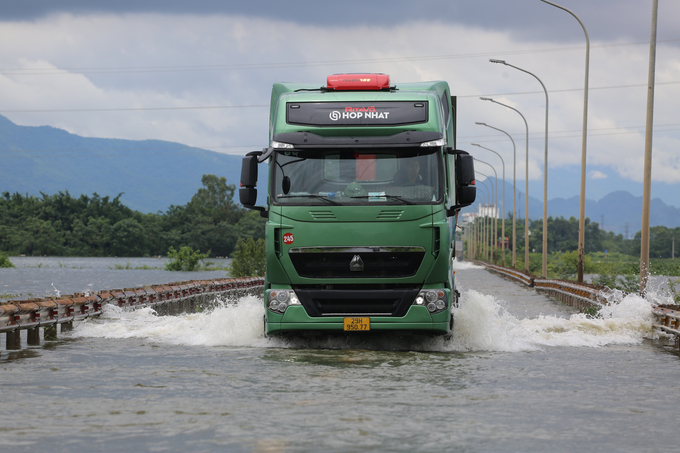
351,113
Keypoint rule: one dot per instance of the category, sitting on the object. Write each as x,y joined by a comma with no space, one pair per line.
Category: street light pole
494,187
487,199
582,205
545,170
514,185
526,187
503,215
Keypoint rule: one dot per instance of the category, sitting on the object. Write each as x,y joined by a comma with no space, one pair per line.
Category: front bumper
417,320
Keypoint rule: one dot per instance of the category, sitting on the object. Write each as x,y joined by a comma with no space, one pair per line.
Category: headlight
433,299
280,299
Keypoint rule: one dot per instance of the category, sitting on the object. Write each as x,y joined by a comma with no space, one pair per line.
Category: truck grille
350,300
376,262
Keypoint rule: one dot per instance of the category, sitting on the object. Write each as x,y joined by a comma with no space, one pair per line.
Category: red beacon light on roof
346,82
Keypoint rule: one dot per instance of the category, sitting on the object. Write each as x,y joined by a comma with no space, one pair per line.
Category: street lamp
478,229
494,187
526,187
487,200
514,184
503,199
582,205
545,169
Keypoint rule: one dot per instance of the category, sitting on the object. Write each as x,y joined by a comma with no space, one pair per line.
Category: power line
96,155
191,149
193,68
603,129
215,107
568,89
133,109
552,137
197,149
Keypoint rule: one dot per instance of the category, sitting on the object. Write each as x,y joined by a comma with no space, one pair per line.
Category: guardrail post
13,339
33,336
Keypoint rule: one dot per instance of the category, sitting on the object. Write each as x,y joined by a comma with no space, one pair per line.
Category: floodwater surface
521,373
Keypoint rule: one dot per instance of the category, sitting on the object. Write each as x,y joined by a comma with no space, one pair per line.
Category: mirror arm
264,154
455,151
453,210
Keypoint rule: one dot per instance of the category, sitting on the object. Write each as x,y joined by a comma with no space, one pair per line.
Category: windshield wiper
391,197
312,195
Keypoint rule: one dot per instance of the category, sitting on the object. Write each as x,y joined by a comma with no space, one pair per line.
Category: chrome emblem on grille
357,264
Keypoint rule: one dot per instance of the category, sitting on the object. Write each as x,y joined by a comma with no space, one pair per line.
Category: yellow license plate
357,324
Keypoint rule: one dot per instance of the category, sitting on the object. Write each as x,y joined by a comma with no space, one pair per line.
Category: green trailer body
364,188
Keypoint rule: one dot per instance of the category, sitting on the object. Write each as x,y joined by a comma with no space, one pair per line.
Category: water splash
226,325
56,290
481,324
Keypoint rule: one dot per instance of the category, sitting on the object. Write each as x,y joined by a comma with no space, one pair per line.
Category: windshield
357,176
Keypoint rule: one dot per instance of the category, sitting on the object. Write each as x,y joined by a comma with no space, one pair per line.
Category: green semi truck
364,188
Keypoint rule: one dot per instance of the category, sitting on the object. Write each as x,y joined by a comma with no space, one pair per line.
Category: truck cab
364,187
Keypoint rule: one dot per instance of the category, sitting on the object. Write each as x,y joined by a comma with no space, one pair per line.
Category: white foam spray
226,325
481,324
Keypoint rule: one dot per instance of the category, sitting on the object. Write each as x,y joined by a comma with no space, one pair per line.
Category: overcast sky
200,73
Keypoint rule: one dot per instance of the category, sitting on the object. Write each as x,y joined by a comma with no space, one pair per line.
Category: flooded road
521,373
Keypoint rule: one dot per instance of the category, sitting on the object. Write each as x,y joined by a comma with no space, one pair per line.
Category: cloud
597,175
524,19
205,80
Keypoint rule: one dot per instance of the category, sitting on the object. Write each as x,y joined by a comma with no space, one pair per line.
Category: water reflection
20,354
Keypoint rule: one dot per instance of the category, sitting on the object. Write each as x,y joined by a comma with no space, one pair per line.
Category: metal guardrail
573,294
669,321
582,296
168,299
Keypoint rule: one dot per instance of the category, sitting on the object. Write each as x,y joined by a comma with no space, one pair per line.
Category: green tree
92,238
215,200
60,224
4,261
248,259
186,259
41,237
128,239
251,225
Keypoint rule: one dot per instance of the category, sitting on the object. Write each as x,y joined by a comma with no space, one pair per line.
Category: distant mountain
153,174
618,211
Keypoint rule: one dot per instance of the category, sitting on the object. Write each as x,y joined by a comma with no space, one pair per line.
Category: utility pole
647,172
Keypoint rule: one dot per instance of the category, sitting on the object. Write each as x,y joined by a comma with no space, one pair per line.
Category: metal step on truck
364,189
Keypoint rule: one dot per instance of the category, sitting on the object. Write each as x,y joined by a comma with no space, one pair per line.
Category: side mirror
466,192
465,180
247,193
465,170
249,171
